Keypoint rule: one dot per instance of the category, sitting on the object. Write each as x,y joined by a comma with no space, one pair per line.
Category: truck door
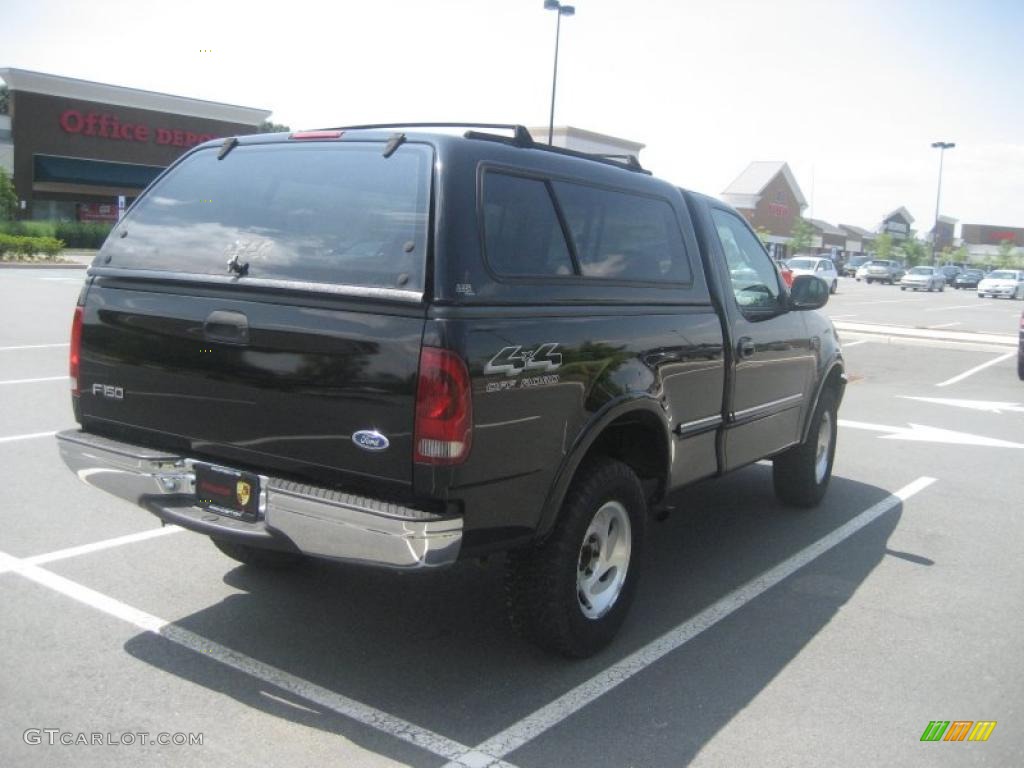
773,362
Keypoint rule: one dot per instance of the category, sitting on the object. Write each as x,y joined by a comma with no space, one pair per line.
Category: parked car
882,271
850,267
786,272
950,272
399,348
1020,349
923,278
968,278
1002,282
819,267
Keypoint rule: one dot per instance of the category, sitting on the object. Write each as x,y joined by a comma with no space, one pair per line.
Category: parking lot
954,311
760,636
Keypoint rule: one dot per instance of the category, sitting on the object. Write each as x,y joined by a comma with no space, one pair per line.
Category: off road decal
515,360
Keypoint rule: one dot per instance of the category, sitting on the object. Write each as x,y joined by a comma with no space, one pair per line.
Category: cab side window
755,282
522,236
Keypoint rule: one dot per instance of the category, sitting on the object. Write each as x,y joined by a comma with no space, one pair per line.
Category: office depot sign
105,126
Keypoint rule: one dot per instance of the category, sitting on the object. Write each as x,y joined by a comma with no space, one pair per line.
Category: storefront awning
72,170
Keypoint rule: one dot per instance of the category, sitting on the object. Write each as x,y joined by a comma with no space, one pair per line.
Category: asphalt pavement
760,636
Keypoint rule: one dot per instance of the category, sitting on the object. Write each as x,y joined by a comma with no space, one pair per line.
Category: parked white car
1003,282
924,278
811,265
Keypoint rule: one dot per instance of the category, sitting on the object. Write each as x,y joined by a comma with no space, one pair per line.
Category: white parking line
974,370
954,306
34,381
34,346
532,726
97,546
849,344
33,436
882,301
342,705
944,325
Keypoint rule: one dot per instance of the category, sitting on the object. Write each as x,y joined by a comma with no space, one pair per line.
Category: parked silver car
923,278
882,271
1003,282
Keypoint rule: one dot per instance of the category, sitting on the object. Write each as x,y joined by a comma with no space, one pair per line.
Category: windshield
801,263
330,213
1002,275
921,271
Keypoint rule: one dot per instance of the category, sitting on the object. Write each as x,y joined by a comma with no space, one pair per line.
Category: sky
850,94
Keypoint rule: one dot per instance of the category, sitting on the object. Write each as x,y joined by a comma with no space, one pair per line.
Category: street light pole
562,10
942,146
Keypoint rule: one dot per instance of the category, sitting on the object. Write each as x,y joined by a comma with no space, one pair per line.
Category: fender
835,363
614,409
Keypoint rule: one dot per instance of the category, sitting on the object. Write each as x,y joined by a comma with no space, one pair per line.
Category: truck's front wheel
571,593
258,557
802,473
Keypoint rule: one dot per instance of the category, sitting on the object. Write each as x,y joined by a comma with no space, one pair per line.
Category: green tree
1008,255
5,100
883,246
913,251
8,197
268,127
800,236
762,235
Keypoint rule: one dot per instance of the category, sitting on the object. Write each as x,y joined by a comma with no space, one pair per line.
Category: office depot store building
77,145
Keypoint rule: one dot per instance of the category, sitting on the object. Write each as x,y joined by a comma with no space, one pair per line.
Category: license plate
228,492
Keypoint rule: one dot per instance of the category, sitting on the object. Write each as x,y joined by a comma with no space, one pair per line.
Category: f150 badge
108,391
370,440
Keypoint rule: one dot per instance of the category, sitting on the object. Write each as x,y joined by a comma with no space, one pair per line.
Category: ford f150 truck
393,346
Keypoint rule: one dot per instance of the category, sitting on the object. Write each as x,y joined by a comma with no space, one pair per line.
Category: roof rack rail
521,136
630,161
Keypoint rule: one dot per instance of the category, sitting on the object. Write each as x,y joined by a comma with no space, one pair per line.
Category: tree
913,251
5,100
762,234
1008,255
800,236
883,246
268,127
8,197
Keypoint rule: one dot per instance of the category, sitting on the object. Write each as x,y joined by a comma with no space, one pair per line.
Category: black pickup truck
393,346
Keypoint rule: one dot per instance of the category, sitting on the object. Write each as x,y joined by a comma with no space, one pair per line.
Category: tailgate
286,395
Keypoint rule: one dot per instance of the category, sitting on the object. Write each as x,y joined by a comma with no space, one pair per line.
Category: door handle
231,327
745,347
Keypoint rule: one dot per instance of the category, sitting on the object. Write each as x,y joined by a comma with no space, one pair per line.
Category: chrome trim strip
360,291
698,424
317,521
767,406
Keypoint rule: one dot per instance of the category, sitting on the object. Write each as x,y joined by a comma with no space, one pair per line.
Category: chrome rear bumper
315,521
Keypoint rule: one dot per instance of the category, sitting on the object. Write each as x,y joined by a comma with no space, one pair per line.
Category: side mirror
808,292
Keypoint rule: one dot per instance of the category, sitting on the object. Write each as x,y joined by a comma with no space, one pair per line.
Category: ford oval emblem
370,440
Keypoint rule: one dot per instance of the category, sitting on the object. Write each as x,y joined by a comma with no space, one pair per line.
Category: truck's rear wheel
258,557
571,593
802,473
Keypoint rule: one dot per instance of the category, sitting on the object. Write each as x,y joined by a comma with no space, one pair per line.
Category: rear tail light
444,408
76,350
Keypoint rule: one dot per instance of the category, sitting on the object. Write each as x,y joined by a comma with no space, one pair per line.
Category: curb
898,332
33,265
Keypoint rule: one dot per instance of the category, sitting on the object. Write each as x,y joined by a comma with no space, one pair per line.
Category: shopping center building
74,146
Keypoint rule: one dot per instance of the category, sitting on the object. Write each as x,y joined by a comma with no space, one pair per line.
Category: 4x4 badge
513,360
